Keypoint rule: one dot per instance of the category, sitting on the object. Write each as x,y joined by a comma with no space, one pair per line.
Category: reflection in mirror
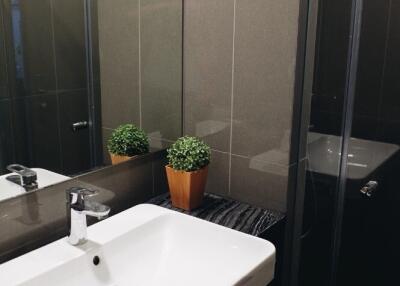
72,71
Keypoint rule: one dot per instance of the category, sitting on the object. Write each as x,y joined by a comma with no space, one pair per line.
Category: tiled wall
140,48
33,220
239,73
43,85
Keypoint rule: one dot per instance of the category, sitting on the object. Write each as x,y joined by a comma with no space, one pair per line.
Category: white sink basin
148,245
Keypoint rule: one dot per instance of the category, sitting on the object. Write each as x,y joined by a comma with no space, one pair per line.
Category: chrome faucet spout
96,210
78,207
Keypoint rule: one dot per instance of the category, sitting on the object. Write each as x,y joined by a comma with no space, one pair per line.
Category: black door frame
93,83
347,121
304,73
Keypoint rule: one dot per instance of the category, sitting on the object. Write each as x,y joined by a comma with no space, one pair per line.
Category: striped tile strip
229,213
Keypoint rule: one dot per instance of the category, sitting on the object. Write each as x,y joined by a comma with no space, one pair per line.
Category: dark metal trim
351,80
95,139
298,146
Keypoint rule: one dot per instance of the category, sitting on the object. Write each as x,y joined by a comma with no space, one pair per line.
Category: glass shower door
324,141
351,211
367,245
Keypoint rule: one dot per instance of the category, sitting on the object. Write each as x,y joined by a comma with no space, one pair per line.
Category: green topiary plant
188,154
128,140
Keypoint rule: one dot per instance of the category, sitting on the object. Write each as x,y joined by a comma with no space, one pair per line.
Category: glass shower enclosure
350,230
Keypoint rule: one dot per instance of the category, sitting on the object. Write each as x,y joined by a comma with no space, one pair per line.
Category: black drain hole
96,260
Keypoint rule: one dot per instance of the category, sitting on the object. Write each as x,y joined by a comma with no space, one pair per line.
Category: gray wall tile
259,183
140,52
119,61
218,174
208,46
161,67
265,53
158,143
256,42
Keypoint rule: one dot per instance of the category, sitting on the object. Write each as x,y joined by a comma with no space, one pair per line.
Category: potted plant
187,170
126,142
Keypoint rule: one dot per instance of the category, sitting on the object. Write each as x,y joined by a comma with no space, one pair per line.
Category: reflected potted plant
187,169
126,142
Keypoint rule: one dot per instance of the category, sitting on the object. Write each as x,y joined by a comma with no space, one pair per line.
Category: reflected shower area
350,219
71,71
44,85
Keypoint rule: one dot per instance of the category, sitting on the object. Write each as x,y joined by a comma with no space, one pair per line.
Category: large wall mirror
72,71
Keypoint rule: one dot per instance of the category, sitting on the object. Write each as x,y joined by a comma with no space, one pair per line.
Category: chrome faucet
24,177
78,207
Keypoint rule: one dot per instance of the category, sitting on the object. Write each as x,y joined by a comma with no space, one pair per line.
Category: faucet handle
82,191
76,197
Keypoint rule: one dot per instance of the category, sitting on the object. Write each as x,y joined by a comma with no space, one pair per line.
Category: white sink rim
42,261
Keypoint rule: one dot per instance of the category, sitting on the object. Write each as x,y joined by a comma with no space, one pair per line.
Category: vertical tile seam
140,63
183,95
53,42
232,96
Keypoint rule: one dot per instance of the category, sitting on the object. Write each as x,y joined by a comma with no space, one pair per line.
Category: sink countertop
229,213
145,245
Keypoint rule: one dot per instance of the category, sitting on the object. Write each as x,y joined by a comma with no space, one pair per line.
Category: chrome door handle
80,125
370,188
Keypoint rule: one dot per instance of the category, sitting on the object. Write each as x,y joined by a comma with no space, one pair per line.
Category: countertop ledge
229,213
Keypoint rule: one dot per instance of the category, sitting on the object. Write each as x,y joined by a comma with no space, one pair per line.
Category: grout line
183,102
161,139
259,160
232,89
140,64
219,151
